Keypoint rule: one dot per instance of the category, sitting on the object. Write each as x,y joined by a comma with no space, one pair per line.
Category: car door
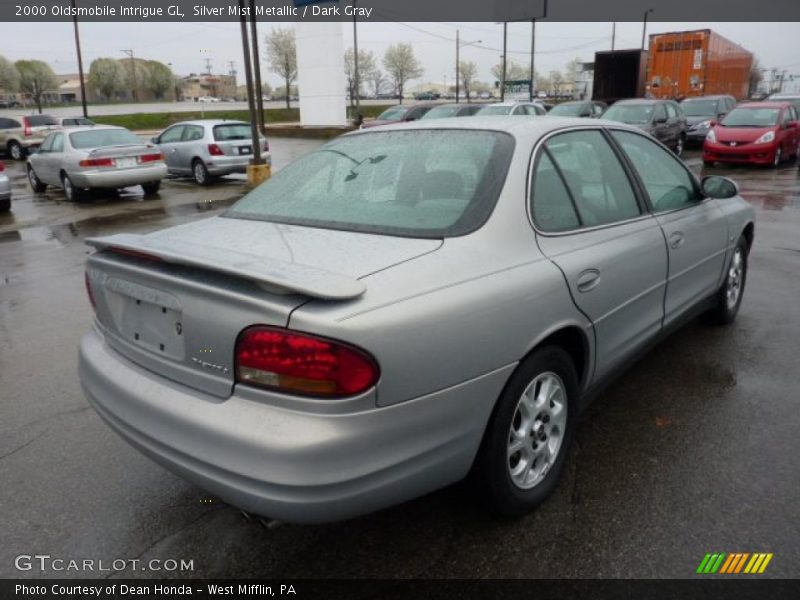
188,148
54,159
694,227
674,128
789,131
660,125
168,142
42,161
592,225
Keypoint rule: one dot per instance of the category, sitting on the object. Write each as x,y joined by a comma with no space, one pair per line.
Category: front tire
778,158
36,184
729,297
680,146
528,437
15,151
5,205
151,188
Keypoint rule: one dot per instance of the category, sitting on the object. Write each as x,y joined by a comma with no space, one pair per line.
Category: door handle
676,240
588,280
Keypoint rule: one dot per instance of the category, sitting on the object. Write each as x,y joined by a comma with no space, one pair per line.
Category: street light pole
80,59
533,52
613,34
644,26
505,49
248,72
458,59
259,99
357,81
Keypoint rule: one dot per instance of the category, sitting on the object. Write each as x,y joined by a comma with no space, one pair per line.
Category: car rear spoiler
268,272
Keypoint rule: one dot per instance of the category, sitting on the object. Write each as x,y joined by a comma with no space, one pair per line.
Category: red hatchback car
760,133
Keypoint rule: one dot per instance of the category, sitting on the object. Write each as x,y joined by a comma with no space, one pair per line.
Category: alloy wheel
537,430
778,157
16,151
733,285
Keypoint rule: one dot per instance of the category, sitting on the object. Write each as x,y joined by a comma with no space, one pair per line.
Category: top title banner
399,10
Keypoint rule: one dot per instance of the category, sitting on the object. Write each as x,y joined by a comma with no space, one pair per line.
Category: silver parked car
208,148
512,108
5,189
405,306
80,159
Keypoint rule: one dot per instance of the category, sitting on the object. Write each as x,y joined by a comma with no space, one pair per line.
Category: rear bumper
285,464
756,154
119,178
5,188
225,165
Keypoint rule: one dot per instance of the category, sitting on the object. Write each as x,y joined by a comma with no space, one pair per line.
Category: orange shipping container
696,63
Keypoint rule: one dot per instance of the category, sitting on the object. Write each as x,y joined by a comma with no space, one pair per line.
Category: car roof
709,97
764,104
92,128
525,130
641,101
210,122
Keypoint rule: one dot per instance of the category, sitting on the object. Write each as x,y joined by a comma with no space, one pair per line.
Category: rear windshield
424,183
102,137
630,113
569,110
41,120
699,108
441,112
393,114
751,117
233,131
493,110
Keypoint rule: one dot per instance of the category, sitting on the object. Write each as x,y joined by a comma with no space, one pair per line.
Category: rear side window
193,133
58,142
41,120
551,204
421,183
594,176
671,112
668,183
233,131
171,135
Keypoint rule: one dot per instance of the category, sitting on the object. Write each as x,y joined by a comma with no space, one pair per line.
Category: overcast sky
187,45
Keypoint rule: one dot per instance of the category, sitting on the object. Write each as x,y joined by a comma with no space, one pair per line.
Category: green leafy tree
106,77
9,77
401,65
36,78
158,78
282,56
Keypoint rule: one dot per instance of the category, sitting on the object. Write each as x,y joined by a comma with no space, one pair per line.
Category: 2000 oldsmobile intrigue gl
406,306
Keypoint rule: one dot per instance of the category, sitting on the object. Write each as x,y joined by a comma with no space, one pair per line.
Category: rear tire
680,145
5,205
15,151
151,188
729,297
536,414
36,184
200,172
72,193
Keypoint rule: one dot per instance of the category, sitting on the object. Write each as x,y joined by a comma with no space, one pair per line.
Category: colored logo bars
734,563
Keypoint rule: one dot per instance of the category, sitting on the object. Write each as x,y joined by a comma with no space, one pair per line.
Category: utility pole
257,171
232,68
208,66
458,58
357,81
505,50
80,59
133,74
613,34
533,53
644,26
257,71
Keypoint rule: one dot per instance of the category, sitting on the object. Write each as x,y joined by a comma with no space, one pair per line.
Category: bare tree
9,77
35,78
366,65
105,77
556,79
376,79
402,65
281,51
467,71
572,69
756,77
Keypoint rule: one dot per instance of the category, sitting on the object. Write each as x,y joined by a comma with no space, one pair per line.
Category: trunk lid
175,301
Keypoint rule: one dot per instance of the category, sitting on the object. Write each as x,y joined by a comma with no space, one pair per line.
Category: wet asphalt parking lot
695,449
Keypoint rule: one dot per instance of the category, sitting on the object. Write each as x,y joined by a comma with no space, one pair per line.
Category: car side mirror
715,186
792,125
712,122
660,120
154,139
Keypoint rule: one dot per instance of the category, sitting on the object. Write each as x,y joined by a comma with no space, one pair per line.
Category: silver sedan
81,159
209,148
406,306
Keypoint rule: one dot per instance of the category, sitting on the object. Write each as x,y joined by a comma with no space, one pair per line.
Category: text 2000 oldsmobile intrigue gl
404,307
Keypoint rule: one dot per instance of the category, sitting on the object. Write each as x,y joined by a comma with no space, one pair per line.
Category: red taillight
28,132
303,364
2,166
97,162
215,150
146,158
89,291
